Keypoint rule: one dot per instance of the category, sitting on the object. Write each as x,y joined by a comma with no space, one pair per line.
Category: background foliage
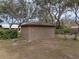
8,34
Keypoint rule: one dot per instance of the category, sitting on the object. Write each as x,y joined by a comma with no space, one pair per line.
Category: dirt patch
40,49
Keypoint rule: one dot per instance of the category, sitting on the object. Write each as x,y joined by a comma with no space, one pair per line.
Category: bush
8,34
66,30
62,30
58,31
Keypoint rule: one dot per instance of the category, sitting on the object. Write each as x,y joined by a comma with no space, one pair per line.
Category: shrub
66,30
8,34
62,30
58,31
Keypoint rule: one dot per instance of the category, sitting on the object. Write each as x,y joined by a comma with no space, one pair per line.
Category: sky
29,0
69,15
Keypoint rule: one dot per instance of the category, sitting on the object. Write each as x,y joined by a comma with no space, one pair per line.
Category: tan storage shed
37,31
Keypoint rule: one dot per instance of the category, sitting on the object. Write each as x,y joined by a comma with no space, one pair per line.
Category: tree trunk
58,24
10,26
75,38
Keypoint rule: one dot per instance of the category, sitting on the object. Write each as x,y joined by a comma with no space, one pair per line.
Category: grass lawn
41,49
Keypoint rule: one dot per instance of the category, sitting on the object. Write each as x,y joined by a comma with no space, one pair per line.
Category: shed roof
38,25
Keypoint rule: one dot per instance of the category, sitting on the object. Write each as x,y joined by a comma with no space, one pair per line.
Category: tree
5,10
1,20
74,7
54,8
16,10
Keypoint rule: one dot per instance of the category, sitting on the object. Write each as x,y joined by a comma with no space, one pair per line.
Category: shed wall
36,33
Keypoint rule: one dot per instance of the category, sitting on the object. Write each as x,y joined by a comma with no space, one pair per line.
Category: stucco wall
25,33
34,33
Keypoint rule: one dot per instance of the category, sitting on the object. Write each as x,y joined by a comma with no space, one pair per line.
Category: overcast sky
29,0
